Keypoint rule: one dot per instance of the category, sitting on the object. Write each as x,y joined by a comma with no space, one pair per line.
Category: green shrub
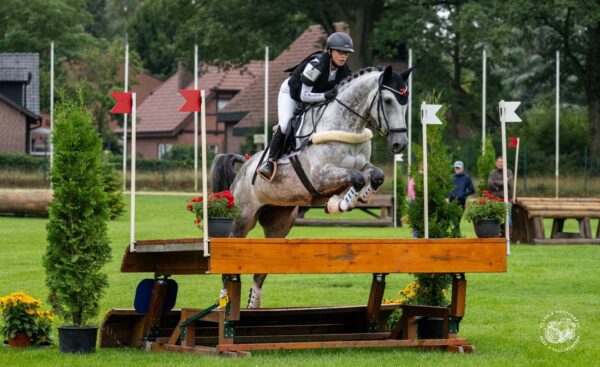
78,245
113,187
22,162
401,195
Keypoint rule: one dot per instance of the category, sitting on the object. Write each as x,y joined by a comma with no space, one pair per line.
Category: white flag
399,157
509,111
428,114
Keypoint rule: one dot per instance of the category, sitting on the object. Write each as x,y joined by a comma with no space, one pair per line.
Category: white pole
395,193
196,121
410,64
51,104
516,169
505,176
425,176
132,193
266,95
557,115
125,115
483,100
204,174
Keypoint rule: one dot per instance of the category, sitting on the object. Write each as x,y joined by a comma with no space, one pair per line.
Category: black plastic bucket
74,339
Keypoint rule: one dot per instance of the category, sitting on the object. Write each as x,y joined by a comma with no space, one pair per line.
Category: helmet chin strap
331,58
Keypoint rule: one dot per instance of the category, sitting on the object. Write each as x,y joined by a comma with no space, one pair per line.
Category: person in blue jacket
462,183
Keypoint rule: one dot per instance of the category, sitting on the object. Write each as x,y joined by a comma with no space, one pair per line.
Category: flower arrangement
220,205
21,314
487,207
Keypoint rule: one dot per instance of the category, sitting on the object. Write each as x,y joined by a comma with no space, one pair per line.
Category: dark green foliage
486,163
113,187
21,162
444,216
78,245
401,194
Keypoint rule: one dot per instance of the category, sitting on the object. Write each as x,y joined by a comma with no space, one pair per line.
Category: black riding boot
268,168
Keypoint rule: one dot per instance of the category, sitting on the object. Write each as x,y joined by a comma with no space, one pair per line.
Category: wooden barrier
385,204
234,331
529,214
25,202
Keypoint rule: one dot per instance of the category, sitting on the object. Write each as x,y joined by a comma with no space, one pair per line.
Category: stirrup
266,178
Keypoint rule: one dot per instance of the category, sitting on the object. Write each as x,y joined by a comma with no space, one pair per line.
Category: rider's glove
330,94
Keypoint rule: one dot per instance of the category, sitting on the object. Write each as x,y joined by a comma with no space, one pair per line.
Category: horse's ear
407,72
387,73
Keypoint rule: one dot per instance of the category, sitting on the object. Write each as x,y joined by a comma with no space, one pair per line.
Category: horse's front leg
376,177
334,178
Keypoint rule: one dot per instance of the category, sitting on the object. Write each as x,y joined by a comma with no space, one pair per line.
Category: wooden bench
385,204
234,331
529,213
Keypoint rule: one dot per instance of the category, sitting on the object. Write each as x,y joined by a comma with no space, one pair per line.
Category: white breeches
285,106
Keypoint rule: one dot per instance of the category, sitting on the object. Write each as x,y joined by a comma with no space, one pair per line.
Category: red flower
246,156
230,204
198,220
190,207
482,201
217,195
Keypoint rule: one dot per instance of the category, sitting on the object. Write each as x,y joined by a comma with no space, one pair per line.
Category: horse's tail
222,170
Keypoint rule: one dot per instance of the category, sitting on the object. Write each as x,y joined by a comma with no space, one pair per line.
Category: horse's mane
363,71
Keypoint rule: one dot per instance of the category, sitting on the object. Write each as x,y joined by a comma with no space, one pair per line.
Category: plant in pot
78,245
221,212
23,324
486,214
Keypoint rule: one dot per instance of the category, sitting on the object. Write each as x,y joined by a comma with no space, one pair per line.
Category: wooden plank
374,303
343,344
459,296
563,214
319,256
197,350
283,338
165,263
313,222
565,241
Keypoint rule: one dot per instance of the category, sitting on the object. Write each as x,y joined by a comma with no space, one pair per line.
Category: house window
222,102
164,149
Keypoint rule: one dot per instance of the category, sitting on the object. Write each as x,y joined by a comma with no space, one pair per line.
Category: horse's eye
387,101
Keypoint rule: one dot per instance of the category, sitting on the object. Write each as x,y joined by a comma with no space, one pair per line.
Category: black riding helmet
340,41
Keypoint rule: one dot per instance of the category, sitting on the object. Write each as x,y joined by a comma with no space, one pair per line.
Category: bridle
383,130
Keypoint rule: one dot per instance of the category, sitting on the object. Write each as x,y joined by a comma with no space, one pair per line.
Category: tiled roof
159,111
251,99
16,67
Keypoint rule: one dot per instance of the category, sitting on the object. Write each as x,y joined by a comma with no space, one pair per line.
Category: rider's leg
285,108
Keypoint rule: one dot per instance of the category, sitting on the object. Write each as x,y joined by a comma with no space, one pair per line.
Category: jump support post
233,331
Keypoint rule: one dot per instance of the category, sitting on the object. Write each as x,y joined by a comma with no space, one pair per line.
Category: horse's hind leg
276,222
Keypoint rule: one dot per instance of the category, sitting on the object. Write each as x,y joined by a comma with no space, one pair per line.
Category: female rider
314,80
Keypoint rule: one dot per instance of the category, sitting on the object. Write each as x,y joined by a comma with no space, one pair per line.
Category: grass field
502,319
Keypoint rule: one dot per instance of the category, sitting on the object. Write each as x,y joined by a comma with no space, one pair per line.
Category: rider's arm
310,74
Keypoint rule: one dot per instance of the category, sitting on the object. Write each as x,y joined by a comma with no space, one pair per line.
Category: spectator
496,183
463,184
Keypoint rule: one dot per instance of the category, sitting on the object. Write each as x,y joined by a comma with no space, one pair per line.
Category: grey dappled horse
373,98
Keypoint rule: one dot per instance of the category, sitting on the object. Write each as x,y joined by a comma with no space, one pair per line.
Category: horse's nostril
396,146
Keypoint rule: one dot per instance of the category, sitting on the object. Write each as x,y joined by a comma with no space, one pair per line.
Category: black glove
330,94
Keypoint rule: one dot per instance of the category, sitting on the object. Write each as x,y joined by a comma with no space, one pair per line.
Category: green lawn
502,320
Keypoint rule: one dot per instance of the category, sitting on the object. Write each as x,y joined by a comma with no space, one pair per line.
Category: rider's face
339,57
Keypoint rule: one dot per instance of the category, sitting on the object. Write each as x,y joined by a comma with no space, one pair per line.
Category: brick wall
13,129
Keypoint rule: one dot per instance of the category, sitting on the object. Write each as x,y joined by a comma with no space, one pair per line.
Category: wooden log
321,256
25,202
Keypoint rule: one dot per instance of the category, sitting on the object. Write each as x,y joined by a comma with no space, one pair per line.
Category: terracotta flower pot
21,340
219,227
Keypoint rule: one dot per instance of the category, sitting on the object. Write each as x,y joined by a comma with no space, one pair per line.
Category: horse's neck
356,95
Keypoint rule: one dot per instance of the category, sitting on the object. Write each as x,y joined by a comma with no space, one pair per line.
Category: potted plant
23,324
221,212
78,245
486,214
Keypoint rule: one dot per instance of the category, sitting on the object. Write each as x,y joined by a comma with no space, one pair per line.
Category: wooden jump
385,204
233,331
529,214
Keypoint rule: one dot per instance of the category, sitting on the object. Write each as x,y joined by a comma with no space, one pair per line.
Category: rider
314,80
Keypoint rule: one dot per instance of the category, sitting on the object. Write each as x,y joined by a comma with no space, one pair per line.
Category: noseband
384,131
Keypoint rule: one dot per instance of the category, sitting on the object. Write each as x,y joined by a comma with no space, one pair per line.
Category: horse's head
389,108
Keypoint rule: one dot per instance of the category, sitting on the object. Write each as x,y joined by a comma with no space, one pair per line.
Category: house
20,103
160,125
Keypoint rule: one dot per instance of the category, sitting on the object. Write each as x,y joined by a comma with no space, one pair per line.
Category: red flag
192,100
124,102
513,142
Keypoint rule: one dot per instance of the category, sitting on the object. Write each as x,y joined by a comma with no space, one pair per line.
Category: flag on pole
192,100
428,114
513,142
124,102
509,110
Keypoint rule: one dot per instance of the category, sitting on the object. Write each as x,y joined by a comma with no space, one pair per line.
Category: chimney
184,76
